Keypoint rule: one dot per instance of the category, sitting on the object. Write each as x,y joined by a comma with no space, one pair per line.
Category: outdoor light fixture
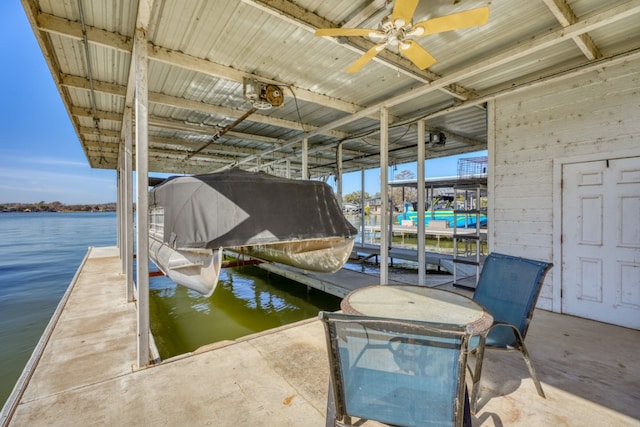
436,138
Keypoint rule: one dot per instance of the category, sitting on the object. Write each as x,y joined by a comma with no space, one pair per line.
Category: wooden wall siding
597,113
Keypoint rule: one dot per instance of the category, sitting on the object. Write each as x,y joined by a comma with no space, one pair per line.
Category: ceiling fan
397,30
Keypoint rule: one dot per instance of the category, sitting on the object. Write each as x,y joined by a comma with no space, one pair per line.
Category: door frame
558,164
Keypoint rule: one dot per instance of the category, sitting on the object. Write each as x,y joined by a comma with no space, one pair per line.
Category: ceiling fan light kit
398,31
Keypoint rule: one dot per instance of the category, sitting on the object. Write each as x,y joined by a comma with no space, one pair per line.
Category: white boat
194,219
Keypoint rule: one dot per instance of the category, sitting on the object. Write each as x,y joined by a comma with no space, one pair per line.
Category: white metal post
362,216
491,180
142,194
339,172
120,208
384,194
422,268
128,200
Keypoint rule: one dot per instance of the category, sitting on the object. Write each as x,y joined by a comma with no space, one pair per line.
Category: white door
601,241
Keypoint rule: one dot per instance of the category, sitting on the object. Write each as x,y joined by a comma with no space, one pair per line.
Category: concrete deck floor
86,375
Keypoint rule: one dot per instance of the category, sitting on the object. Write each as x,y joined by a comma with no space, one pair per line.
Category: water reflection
245,301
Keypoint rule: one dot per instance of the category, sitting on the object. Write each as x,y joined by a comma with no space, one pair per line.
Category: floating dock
348,279
83,373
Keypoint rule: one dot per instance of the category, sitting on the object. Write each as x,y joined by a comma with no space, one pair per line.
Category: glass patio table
411,302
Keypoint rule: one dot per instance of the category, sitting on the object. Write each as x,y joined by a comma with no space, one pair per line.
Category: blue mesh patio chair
508,288
401,373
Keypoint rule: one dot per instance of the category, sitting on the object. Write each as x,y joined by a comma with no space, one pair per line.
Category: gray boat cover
239,208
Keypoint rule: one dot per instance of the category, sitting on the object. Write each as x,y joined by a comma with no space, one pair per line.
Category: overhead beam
372,9
161,123
63,27
172,101
158,122
210,68
564,14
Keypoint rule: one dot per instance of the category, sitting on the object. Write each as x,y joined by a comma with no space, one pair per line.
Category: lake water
41,252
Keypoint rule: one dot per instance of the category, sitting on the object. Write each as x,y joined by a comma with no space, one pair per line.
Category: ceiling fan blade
345,32
364,59
404,9
455,21
418,55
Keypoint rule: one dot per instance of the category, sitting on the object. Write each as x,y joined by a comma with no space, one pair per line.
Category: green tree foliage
354,197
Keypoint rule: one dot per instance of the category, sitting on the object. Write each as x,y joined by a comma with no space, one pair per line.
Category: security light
437,138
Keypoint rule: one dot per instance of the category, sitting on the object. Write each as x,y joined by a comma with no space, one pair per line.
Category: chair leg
532,372
331,407
476,374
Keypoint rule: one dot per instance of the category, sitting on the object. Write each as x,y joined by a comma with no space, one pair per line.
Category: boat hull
318,255
195,269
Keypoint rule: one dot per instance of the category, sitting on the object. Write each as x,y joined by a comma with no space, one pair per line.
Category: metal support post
422,268
384,194
142,194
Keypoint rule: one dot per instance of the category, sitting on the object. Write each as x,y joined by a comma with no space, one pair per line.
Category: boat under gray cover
239,208
295,222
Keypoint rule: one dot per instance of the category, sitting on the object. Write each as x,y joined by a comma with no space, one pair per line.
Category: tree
355,197
55,206
400,195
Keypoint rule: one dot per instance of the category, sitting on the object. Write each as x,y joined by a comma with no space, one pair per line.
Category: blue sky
41,158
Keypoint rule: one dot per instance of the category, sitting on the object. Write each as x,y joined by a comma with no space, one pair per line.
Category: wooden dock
433,258
438,259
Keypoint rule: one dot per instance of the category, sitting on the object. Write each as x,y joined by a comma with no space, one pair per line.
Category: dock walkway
346,280
84,374
373,232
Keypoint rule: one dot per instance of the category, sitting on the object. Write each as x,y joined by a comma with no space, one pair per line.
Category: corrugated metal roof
200,51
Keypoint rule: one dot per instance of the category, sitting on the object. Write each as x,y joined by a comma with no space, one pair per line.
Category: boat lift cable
222,132
92,92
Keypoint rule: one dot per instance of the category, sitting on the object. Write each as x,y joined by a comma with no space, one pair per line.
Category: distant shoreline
56,207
